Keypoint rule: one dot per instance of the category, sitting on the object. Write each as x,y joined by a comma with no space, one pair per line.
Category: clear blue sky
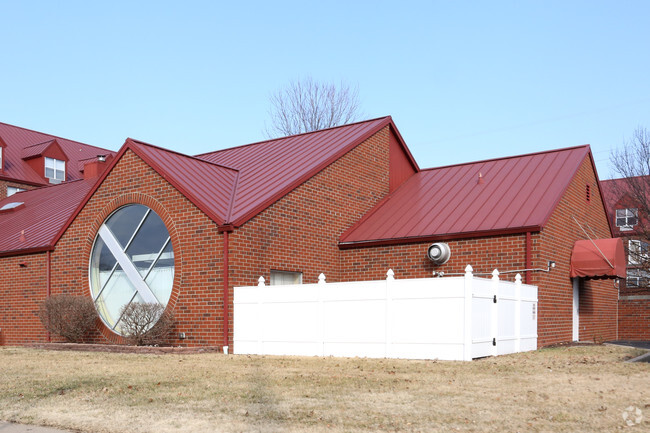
463,81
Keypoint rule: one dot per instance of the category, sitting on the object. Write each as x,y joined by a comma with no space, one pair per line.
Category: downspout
48,284
529,256
226,230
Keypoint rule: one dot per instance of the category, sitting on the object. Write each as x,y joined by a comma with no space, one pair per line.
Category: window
54,169
285,277
637,252
132,260
637,278
626,219
11,190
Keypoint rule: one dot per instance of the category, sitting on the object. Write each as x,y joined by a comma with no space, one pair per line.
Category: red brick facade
508,252
300,233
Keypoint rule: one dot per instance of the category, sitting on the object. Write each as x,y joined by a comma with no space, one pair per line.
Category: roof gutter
26,251
434,238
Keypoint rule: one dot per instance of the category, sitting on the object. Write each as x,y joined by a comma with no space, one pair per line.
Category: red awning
598,258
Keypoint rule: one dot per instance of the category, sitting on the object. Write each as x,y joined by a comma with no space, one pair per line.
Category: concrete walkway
8,427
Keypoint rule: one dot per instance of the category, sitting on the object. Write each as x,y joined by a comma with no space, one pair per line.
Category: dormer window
626,219
11,190
55,169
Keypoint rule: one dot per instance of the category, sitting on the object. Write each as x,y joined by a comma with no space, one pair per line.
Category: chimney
96,167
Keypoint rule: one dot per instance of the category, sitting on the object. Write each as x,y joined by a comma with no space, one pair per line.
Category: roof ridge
562,149
54,136
40,143
143,143
292,136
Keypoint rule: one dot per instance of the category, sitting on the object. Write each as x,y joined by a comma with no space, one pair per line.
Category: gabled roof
34,226
230,186
24,143
270,169
208,185
39,149
497,196
623,191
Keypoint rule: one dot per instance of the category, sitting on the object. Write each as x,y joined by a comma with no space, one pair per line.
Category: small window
637,252
637,278
11,190
626,219
55,169
284,277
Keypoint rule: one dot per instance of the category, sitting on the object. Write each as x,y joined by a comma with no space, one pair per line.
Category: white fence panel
452,318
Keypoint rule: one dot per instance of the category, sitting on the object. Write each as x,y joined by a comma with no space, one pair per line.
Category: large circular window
132,260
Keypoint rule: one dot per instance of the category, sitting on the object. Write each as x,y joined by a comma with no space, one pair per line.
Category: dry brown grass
568,389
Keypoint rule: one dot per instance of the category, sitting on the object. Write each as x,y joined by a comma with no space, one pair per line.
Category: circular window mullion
136,231
153,263
146,238
119,319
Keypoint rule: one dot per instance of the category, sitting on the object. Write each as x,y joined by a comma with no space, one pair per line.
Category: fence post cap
260,281
495,273
390,275
518,278
321,278
469,269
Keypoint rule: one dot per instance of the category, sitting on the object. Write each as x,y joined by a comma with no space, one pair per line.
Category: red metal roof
514,194
270,169
210,186
230,186
18,139
45,211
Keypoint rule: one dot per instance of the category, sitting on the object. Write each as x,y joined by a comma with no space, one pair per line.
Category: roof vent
439,253
480,178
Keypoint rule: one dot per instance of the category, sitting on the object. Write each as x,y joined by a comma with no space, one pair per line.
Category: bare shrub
146,324
71,317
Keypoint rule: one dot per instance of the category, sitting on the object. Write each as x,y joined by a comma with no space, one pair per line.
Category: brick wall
22,288
634,318
300,232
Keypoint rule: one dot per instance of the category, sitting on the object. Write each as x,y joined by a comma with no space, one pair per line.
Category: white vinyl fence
450,318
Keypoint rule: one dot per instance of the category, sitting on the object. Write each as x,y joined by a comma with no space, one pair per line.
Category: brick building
30,159
626,214
350,202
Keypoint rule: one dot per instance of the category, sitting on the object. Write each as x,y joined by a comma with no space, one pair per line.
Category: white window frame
58,169
282,278
627,216
637,278
1,155
11,190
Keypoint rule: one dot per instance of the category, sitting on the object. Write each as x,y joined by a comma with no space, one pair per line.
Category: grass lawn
566,389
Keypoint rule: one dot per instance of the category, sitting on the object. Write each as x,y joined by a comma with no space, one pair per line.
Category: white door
576,309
